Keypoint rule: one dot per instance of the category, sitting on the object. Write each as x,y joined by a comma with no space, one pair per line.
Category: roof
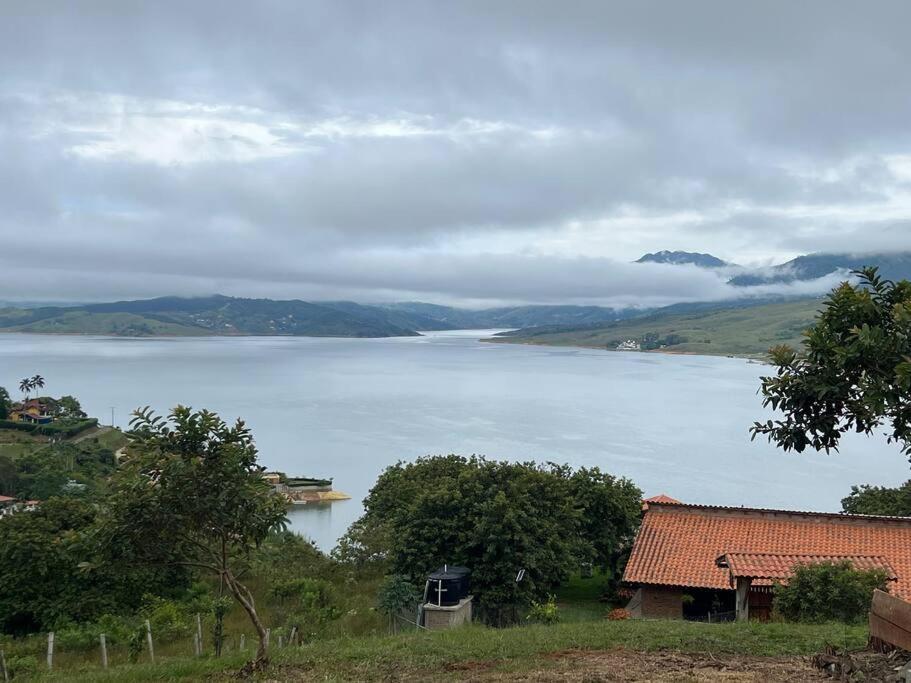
6,499
780,567
678,544
660,498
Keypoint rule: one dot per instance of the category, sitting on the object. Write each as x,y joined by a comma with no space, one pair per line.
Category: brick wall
659,602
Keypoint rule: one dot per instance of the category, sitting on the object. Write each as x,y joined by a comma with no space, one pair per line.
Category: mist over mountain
678,258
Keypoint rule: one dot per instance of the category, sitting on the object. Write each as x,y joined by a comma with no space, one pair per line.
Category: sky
473,153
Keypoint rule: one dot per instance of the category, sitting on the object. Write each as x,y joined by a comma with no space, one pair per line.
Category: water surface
346,408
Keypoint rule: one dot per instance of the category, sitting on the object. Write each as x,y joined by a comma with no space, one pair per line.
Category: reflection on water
314,520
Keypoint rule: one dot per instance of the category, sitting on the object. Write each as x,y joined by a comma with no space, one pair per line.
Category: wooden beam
743,598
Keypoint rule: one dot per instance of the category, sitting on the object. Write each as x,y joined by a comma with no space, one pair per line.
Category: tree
191,494
829,591
41,584
25,386
5,403
495,518
879,500
69,407
853,373
37,382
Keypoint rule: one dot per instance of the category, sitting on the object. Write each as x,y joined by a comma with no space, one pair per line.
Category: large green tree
496,518
5,403
41,583
879,500
853,373
192,495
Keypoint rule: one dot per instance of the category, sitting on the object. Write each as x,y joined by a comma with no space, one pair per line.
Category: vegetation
191,495
422,655
734,329
879,500
41,584
5,403
853,373
497,518
828,592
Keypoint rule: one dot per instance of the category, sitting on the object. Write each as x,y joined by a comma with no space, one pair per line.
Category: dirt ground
627,665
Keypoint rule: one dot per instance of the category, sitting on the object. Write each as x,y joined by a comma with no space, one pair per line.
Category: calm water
346,408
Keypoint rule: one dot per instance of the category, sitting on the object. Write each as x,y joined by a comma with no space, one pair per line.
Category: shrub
544,612
619,614
23,666
832,591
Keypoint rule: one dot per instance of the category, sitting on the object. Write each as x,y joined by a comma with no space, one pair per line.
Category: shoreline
752,357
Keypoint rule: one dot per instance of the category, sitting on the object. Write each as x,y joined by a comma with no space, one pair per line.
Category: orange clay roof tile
679,544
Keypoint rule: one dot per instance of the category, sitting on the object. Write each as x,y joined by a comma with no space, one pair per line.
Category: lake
346,408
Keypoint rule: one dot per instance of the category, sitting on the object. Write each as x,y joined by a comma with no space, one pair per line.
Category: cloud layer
468,153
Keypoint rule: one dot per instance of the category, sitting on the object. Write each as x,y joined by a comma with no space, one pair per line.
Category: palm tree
37,382
25,386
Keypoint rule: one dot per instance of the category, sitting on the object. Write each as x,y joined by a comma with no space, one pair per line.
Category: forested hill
219,315
222,315
741,329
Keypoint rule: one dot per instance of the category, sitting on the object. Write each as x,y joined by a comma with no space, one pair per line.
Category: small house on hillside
726,560
32,411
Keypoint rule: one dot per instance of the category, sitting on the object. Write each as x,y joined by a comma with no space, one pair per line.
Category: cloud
472,152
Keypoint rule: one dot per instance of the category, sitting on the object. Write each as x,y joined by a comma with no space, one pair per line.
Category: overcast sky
459,152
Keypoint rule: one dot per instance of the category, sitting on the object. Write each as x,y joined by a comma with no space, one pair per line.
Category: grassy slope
742,331
420,654
82,322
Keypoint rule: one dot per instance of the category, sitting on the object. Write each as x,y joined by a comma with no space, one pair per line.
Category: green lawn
379,658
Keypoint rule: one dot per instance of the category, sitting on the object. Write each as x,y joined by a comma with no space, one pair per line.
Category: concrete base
440,617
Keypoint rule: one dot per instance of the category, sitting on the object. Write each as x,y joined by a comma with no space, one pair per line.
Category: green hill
215,315
742,331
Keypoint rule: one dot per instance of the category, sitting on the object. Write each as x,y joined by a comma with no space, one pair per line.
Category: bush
24,666
619,614
832,591
544,612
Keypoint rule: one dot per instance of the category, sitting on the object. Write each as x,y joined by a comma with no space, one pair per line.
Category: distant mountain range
222,315
895,265
679,258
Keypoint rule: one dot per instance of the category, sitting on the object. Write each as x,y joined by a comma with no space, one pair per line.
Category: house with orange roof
705,561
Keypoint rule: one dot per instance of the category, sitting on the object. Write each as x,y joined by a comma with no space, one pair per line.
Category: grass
579,599
747,331
418,653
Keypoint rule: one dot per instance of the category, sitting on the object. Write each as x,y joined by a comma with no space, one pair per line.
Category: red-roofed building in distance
727,559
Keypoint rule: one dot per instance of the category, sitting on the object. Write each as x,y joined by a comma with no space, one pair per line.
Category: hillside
744,331
215,315
895,266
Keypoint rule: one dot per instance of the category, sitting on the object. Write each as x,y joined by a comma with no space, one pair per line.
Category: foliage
45,472
544,612
41,584
191,494
397,595
853,373
879,500
69,407
5,403
832,591
494,518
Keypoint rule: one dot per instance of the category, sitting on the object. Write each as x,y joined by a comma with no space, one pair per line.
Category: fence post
280,642
50,650
243,642
3,667
149,641
268,634
292,638
199,635
104,652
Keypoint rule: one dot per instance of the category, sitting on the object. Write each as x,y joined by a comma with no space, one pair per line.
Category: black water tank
448,585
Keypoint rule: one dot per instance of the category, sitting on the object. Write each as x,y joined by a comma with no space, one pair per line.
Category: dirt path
638,667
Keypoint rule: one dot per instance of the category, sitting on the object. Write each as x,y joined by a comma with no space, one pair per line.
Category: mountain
735,329
679,258
509,316
895,266
223,315
219,315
